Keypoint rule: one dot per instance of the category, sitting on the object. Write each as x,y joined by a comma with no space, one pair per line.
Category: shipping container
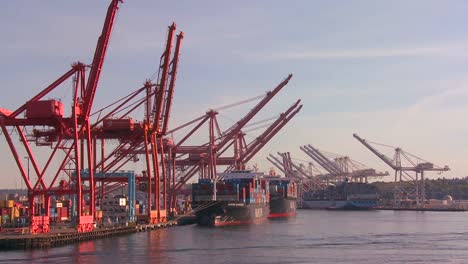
62,213
5,219
10,203
98,214
15,213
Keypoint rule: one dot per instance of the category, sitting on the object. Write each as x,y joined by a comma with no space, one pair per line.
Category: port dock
15,240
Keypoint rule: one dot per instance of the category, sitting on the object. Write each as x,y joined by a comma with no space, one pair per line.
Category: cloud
440,115
446,99
448,49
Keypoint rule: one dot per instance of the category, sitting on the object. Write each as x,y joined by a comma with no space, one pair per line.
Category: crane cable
239,103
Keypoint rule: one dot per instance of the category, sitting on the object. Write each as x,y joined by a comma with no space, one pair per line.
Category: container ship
347,195
283,197
235,198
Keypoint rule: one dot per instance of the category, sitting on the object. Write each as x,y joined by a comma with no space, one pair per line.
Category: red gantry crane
205,158
146,137
70,136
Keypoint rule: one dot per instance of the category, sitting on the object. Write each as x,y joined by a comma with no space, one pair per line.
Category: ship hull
360,205
281,207
339,204
231,214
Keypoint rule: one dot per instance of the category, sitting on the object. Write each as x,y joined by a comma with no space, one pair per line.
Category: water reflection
311,237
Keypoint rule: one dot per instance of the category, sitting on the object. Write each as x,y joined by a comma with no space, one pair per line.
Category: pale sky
394,72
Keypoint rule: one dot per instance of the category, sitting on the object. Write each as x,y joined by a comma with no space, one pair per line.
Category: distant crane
396,164
330,166
306,182
341,167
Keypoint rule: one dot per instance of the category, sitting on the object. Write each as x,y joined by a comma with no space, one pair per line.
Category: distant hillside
4,193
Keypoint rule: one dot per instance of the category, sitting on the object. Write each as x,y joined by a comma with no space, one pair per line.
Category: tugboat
235,198
283,197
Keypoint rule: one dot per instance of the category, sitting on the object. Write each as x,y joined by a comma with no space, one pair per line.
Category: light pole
69,178
28,166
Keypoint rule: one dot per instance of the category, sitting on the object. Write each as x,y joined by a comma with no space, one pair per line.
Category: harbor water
311,237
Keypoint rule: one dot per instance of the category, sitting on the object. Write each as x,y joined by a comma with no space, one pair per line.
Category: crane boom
277,166
170,93
329,162
376,152
288,172
272,131
298,168
262,138
160,95
98,60
256,145
319,160
304,177
241,123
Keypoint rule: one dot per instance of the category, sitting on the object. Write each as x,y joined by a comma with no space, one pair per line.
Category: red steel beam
260,138
49,88
272,134
99,56
159,99
170,93
240,124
